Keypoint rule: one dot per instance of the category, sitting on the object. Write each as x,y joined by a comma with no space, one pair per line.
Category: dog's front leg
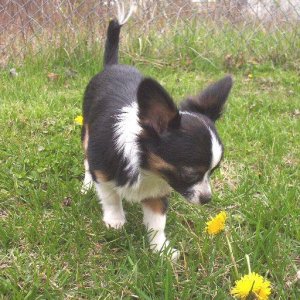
113,214
155,210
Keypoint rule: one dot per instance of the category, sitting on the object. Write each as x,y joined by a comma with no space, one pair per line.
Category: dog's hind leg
155,210
88,180
113,214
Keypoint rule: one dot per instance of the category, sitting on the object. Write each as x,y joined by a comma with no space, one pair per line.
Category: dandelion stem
231,255
248,263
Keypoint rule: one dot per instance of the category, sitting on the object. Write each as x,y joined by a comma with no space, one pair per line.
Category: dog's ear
157,110
211,101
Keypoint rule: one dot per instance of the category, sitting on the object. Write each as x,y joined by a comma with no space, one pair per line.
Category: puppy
139,146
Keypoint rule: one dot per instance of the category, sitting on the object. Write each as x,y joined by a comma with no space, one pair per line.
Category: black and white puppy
139,146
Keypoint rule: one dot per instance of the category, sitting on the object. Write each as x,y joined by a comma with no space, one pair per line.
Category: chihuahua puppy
139,146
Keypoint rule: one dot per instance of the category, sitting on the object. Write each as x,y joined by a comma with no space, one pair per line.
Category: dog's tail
113,32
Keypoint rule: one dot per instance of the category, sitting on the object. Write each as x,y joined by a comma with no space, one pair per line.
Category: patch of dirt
3,214
290,160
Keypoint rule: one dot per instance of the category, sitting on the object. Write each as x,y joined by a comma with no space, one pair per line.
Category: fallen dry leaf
67,201
52,76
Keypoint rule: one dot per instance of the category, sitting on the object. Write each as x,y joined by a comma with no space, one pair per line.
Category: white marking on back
216,150
127,130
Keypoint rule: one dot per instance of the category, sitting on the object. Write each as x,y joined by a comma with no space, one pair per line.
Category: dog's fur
139,146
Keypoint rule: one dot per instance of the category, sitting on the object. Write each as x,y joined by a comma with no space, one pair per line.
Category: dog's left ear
157,109
211,101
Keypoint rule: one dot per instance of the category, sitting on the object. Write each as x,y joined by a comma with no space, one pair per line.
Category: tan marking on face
100,176
156,163
157,205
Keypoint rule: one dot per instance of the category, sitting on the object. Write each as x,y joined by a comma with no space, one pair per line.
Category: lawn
53,243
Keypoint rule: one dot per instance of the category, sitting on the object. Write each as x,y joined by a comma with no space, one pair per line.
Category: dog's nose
203,199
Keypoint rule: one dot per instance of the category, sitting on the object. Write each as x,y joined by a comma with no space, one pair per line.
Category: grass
53,244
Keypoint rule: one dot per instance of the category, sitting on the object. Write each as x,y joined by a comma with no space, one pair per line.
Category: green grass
51,248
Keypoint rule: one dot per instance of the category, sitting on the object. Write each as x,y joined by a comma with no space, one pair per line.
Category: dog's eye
191,179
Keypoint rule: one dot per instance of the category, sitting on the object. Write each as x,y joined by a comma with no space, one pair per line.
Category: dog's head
182,145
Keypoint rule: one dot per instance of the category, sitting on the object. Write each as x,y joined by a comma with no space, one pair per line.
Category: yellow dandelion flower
252,286
79,120
216,224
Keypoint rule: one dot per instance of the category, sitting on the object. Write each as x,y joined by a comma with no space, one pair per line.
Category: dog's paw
165,250
174,254
170,253
116,223
86,187
87,183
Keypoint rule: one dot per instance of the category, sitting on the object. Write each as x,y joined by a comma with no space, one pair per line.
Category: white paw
174,254
85,188
116,223
87,183
164,250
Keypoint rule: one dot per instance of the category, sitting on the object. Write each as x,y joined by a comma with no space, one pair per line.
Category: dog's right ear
157,110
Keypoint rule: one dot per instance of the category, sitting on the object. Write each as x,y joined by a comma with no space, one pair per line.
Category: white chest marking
147,186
